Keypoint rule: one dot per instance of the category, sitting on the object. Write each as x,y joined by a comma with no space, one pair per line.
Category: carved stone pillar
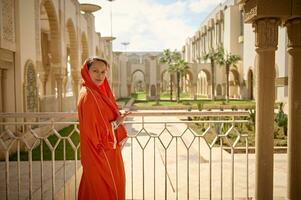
64,86
147,91
158,91
1,92
129,89
59,76
43,77
194,91
266,38
76,80
294,111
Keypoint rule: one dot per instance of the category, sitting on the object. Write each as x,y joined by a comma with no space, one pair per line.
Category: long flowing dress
100,145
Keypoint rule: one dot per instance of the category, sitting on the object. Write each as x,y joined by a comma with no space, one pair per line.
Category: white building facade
225,27
43,44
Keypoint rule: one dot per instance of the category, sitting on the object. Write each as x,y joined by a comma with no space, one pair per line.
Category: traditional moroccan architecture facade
225,27
267,36
43,44
137,71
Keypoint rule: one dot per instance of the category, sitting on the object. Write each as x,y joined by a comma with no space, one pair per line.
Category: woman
101,135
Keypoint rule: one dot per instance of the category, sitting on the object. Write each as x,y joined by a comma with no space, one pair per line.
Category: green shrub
281,119
134,95
200,106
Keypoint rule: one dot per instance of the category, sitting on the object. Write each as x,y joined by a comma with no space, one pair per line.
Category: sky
150,25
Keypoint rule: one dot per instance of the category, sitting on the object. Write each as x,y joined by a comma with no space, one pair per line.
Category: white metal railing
164,157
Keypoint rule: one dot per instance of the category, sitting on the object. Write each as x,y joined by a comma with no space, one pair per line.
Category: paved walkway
198,177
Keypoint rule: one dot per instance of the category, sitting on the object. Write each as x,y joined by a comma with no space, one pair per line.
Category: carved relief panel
7,25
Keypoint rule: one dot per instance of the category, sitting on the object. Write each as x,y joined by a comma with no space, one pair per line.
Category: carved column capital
58,71
266,33
293,34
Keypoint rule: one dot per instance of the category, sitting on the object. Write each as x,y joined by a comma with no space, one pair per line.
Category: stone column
129,86
266,38
59,84
147,91
1,92
194,91
64,86
76,79
158,91
294,111
44,77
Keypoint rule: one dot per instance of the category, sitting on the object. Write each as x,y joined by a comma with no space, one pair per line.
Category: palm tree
227,59
167,58
180,67
211,55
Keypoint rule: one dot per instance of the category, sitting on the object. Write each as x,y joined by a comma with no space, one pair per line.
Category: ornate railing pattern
164,157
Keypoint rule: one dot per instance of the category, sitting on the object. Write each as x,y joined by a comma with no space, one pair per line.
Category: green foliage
200,106
187,103
281,119
227,59
252,115
59,151
134,95
175,65
213,56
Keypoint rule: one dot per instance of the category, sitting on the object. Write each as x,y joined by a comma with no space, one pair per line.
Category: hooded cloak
100,145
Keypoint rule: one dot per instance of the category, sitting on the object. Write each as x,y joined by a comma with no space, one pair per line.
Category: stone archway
30,88
165,82
203,83
72,45
50,45
71,82
138,81
49,15
234,85
186,83
153,92
219,92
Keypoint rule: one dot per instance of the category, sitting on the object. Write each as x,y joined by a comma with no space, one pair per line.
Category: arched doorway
49,46
72,60
138,83
234,85
219,90
186,84
167,84
203,83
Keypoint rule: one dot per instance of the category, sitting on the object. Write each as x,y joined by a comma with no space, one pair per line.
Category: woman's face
98,72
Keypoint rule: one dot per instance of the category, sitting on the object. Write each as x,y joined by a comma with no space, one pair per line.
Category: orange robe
100,146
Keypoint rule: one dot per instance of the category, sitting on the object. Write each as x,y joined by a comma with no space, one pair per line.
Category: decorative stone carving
37,29
8,20
31,89
293,33
266,33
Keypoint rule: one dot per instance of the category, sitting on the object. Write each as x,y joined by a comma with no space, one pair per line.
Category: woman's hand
121,117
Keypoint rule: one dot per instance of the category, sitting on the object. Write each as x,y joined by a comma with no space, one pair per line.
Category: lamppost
111,60
111,16
125,44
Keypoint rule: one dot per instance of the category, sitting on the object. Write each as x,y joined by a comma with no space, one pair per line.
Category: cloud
149,25
199,6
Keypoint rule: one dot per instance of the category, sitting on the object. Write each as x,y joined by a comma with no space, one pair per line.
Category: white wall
248,50
27,45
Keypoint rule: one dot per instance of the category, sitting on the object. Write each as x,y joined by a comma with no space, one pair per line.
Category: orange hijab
103,97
